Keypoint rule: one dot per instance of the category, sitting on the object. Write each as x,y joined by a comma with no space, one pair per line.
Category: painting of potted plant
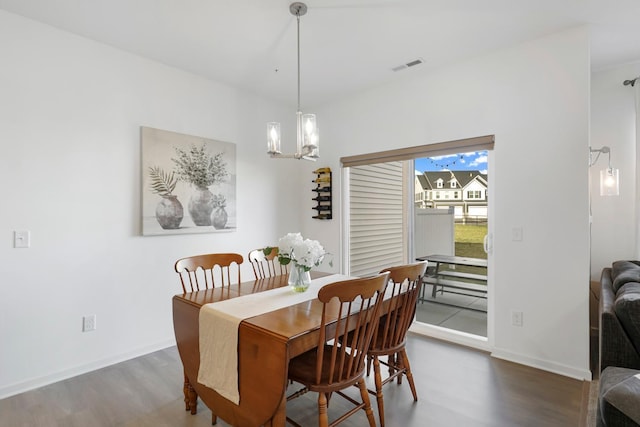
169,211
202,170
219,216
200,173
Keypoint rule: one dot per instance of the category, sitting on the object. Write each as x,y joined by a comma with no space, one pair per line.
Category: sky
476,160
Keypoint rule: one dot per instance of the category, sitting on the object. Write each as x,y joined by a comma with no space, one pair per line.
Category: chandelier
307,129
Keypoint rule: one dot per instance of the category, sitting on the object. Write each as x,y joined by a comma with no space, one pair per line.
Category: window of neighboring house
453,183
446,195
439,183
437,194
455,194
475,194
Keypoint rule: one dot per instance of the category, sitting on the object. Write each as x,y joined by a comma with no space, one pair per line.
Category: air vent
408,64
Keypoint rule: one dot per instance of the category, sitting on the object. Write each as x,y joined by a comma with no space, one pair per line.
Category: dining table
265,344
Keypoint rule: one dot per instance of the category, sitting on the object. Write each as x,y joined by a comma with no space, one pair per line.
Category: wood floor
457,386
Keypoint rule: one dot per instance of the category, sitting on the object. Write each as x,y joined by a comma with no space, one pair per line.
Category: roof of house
428,179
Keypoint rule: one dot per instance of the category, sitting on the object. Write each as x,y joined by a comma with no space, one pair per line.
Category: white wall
534,98
70,113
613,125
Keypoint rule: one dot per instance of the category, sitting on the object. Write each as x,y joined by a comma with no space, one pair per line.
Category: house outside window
453,183
439,183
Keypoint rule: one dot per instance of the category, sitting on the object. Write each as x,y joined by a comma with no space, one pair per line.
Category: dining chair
265,266
208,271
204,272
350,311
389,339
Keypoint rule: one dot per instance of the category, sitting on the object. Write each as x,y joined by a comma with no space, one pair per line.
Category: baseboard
545,365
450,335
33,383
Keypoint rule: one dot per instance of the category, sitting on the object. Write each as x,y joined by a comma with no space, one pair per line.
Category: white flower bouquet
304,253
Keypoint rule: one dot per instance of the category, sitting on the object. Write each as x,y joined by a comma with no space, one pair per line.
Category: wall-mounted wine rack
323,194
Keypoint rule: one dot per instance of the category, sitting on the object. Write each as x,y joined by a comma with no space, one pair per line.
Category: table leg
185,390
193,399
280,417
435,286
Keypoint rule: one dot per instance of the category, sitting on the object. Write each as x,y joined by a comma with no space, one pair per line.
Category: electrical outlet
516,318
21,239
89,323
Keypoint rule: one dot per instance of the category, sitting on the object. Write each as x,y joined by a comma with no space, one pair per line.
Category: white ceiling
347,45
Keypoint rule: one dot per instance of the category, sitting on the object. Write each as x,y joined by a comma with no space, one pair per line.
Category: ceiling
346,45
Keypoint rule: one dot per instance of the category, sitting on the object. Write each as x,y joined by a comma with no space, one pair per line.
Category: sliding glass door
401,209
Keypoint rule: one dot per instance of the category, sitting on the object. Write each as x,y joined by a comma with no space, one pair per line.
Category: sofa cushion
618,396
623,272
627,308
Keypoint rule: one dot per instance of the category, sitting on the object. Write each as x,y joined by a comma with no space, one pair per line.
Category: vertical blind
376,224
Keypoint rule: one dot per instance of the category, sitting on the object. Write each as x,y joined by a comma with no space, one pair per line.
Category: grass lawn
469,240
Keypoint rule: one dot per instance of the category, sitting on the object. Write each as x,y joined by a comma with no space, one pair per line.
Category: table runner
219,322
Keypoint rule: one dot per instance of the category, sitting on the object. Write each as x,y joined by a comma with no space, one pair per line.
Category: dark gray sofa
620,315
619,392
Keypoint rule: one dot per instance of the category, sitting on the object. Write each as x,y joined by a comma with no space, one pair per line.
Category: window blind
466,145
376,217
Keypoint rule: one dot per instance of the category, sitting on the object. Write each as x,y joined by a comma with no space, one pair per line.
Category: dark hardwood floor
457,386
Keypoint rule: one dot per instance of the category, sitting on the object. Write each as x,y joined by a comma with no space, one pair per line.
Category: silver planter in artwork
169,212
219,218
201,206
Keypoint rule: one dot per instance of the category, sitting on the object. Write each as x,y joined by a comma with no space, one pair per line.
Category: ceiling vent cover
408,64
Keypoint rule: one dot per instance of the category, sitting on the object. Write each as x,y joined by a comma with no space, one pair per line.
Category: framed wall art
188,183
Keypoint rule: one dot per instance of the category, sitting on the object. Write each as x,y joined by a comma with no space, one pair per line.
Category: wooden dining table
266,343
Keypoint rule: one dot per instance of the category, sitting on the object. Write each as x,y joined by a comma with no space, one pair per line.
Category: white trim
34,383
545,365
450,335
345,221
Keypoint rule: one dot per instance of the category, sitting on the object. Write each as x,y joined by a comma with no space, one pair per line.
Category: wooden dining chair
339,359
265,266
208,271
204,272
389,339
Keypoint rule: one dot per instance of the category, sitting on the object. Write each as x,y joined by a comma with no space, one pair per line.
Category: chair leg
214,419
323,417
407,369
378,381
364,394
392,359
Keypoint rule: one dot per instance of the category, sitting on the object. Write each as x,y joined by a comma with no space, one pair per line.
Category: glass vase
299,279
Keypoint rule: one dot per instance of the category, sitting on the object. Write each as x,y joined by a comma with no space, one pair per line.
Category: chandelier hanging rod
298,9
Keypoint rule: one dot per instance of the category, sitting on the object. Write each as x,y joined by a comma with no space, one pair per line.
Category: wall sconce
609,177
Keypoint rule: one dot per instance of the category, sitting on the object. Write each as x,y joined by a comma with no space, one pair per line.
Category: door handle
488,243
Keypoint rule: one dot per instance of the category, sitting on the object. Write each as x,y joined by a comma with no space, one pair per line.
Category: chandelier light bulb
273,138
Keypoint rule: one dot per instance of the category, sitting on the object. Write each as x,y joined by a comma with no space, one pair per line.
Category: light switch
21,239
516,234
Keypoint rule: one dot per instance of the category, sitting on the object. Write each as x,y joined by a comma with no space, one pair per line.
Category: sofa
620,315
619,312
